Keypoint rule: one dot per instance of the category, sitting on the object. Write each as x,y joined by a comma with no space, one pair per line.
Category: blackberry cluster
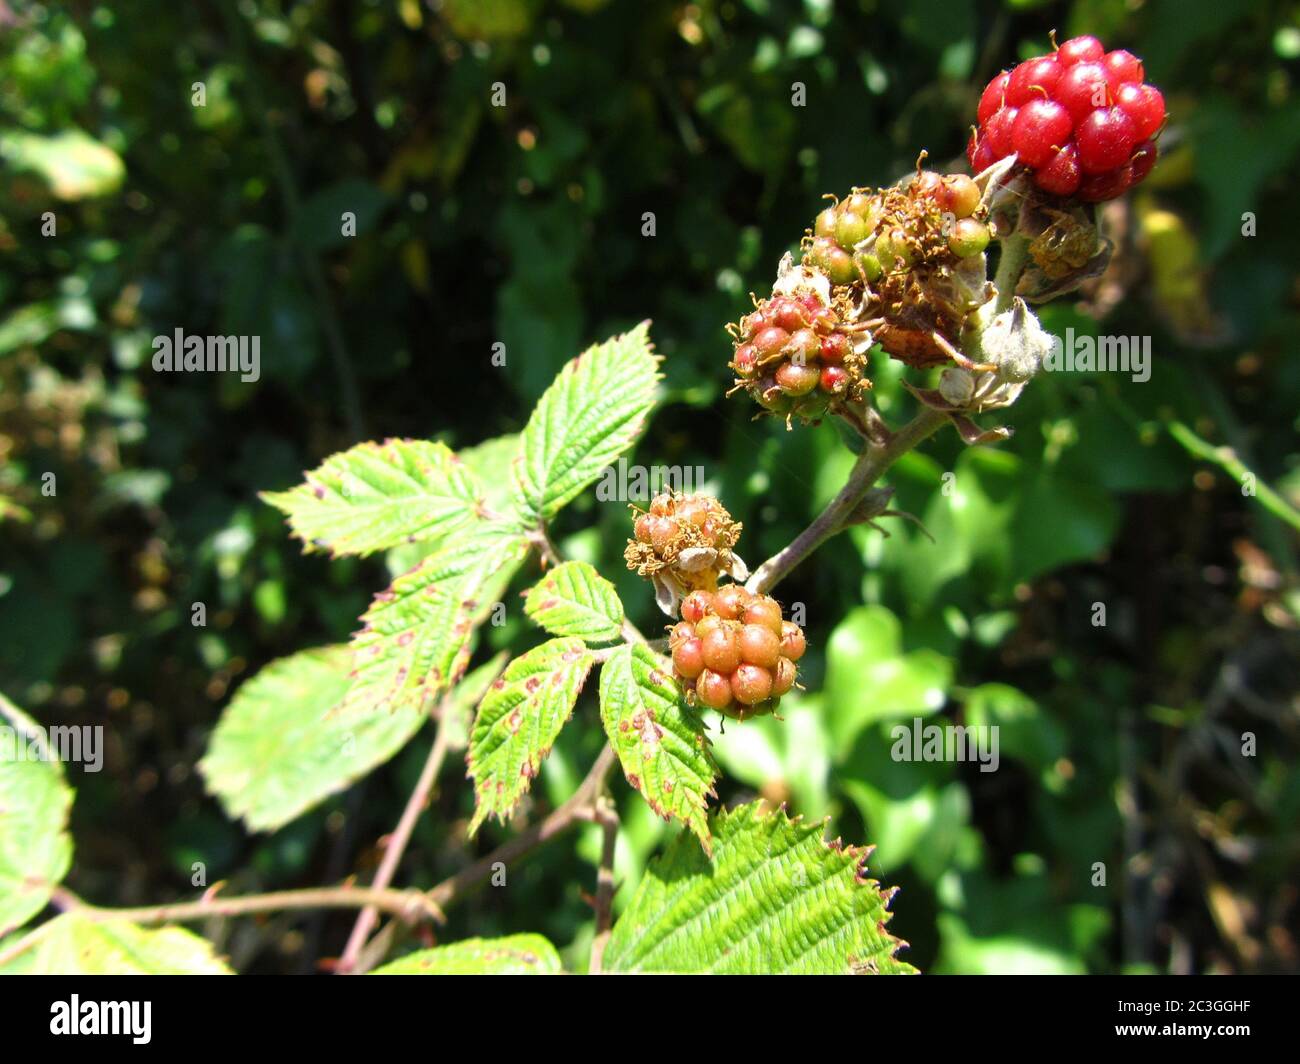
684,542
906,263
1082,121
795,355
733,651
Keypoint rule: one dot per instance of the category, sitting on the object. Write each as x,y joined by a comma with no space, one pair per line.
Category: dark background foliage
523,225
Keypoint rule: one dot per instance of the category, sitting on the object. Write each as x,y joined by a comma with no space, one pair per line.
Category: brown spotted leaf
659,740
511,955
574,599
518,721
415,639
380,495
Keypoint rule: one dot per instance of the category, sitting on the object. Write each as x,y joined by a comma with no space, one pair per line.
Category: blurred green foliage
523,225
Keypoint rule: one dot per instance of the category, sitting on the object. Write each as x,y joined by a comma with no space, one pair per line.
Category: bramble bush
925,294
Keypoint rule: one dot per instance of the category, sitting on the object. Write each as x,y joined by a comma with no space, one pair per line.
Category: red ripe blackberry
1123,68
1081,121
1082,89
1060,175
994,96
1080,50
1095,188
1041,128
1106,139
1034,79
997,131
1145,104
1144,157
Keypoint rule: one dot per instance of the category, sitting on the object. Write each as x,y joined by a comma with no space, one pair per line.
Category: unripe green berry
893,250
859,204
812,407
825,224
771,398
839,266
869,264
968,237
960,194
850,229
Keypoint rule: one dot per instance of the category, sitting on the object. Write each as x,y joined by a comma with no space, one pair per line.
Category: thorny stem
1015,256
1226,459
396,845
869,468
606,816
579,804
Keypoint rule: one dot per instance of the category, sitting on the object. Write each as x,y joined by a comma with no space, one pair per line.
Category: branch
1226,459
451,890
396,845
869,467
604,814
1015,256
409,905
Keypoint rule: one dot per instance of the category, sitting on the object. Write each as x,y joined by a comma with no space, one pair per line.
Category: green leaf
457,716
414,641
659,740
775,899
574,599
281,748
592,412
511,955
379,495
491,462
71,944
519,720
869,678
73,164
35,848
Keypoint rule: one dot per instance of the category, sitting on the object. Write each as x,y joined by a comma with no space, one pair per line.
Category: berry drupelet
1082,121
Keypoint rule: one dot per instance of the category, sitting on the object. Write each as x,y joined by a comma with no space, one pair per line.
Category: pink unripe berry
751,685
